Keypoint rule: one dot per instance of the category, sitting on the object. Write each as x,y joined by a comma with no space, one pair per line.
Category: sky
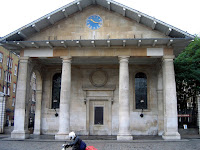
182,14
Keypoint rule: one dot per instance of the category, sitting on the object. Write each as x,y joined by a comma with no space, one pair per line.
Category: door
99,117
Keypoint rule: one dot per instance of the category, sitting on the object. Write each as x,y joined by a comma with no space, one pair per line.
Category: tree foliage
187,69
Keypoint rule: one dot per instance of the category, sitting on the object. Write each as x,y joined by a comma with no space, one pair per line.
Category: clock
94,22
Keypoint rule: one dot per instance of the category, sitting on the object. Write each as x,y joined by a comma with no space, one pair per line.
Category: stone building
101,68
8,84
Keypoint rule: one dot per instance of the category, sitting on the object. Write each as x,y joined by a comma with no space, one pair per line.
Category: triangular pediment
120,22
113,26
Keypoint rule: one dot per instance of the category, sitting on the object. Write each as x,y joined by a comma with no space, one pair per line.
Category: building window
141,90
98,116
1,57
8,91
9,62
4,90
15,73
6,76
14,87
56,86
13,102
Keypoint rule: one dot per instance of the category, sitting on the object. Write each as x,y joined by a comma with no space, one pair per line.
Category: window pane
56,90
98,116
141,90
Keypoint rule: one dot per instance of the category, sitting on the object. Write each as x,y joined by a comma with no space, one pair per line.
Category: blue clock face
94,22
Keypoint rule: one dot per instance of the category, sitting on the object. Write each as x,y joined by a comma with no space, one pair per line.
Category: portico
99,80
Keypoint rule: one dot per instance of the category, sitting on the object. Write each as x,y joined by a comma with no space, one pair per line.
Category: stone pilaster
37,126
170,100
124,110
160,104
64,114
20,127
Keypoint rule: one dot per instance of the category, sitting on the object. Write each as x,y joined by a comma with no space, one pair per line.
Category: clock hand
94,21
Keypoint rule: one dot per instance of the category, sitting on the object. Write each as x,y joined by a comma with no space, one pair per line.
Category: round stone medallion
98,78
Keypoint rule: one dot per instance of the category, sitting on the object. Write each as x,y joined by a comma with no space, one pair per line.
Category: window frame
15,72
1,58
148,91
14,87
51,106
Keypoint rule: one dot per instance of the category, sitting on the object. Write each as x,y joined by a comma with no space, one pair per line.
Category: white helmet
72,135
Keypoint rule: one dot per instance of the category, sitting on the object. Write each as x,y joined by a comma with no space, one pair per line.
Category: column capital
168,57
66,59
24,59
123,58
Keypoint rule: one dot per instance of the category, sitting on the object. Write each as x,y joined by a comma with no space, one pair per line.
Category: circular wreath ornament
98,78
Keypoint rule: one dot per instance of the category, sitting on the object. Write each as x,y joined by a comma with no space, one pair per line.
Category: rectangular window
4,90
8,91
8,61
1,57
14,87
15,73
10,77
13,101
98,116
6,76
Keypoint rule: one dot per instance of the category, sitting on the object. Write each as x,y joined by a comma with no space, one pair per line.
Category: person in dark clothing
76,143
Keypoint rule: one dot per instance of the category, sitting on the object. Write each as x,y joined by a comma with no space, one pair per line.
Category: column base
62,136
36,132
126,137
15,134
171,136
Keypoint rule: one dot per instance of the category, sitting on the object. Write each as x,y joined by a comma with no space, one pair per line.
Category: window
141,91
56,86
15,73
9,62
13,101
1,57
98,115
10,77
8,59
6,76
4,90
8,91
14,87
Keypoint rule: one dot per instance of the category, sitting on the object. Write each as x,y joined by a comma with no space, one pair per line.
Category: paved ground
139,143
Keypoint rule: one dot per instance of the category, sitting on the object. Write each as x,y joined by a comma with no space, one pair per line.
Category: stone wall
148,125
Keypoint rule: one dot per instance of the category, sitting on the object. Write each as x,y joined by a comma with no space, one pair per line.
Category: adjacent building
8,85
100,68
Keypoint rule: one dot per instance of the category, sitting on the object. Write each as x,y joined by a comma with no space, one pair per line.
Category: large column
37,126
20,126
64,114
124,114
170,100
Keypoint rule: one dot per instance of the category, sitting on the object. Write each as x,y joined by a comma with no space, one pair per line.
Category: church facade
101,68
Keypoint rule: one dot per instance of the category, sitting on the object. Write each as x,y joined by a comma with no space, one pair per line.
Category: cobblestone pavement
185,144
